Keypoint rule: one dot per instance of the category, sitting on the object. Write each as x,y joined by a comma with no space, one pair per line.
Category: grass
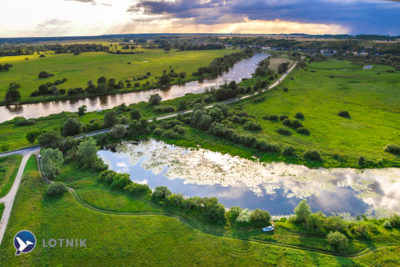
92,65
1,209
370,96
152,240
286,233
8,170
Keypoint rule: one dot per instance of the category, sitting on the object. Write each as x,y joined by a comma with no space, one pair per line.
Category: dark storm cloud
360,16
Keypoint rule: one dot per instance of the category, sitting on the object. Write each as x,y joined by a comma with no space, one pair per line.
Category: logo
24,242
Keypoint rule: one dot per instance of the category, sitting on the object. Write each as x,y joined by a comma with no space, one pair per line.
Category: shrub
155,99
303,212
303,130
44,74
160,193
252,126
299,115
292,123
362,161
266,147
312,155
118,131
170,134
233,214
244,217
283,117
158,131
137,189
387,224
215,213
110,119
260,218
395,220
120,180
56,189
393,149
344,114
24,122
164,109
285,89
72,126
338,241
289,151
284,131
271,118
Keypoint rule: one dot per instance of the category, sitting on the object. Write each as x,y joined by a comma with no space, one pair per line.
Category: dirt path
8,200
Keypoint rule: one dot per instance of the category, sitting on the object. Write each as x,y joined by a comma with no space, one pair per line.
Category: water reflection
239,71
276,187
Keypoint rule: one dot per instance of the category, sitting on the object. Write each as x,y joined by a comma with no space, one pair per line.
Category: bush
44,74
24,122
266,147
387,224
170,134
338,241
56,189
289,151
271,118
312,155
299,115
118,131
137,189
72,126
120,181
233,214
160,193
303,130
164,109
284,131
393,149
252,126
292,123
135,115
303,213
283,117
395,220
344,114
110,119
244,217
106,177
155,99
260,218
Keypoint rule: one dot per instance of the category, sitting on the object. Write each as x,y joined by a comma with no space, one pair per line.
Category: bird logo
24,242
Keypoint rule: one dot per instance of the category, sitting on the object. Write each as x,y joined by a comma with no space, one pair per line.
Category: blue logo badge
24,242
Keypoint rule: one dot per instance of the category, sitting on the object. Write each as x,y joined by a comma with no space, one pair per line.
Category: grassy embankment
1,209
80,69
129,239
320,92
8,170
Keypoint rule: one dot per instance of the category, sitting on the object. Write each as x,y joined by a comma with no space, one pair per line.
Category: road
8,200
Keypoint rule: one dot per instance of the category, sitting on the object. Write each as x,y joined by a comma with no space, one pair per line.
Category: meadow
8,170
320,92
79,69
130,239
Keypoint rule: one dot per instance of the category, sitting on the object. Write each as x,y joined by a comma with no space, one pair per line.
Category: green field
371,97
152,240
90,66
8,170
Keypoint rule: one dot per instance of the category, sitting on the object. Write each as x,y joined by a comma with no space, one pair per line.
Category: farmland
79,69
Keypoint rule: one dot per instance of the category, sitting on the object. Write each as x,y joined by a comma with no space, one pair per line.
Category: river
241,70
275,187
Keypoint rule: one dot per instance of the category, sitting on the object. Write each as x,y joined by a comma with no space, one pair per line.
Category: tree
233,214
72,126
87,153
164,79
51,159
303,213
260,217
32,135
118,131
110,119
120,180
215,213
82,110
50,139
56,189
160,193
155,99
138,128
44,74
338,241
135,114
312,155
12,95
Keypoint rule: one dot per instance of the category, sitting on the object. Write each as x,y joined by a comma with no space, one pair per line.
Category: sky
40,18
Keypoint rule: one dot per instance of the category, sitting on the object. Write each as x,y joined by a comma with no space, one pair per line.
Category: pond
241,70
275,187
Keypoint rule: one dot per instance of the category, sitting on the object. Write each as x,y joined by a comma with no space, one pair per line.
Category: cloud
83,1
360,16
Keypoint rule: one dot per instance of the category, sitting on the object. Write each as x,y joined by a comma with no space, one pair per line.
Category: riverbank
79,69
